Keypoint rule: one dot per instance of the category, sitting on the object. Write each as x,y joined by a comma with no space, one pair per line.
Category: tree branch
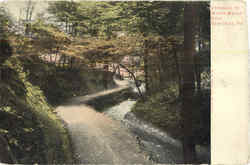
132,74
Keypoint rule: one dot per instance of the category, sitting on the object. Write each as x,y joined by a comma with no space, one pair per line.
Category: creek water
159,146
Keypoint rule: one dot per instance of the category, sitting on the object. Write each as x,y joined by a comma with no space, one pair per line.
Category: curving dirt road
97,138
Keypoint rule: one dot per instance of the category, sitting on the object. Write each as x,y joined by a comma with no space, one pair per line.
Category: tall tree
202,37
29,9
188,88
6,22
5,26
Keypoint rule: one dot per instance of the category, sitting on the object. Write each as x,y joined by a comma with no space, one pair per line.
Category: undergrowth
32,129
163,110
60,84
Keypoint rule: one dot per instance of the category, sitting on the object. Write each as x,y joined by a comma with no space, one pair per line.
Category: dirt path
98,139
83,99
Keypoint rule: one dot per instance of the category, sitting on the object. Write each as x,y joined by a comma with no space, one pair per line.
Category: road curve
96,138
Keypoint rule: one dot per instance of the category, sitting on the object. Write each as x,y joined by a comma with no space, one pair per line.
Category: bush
163,110
34,133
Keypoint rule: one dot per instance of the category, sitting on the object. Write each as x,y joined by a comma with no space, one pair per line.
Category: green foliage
154,17
5,22
48,38
66,84
104,18
58,84
34,133
162,61
163,110
204,12
160,112
84,17
90,33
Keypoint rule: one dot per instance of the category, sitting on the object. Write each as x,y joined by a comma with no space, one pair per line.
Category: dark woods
163,46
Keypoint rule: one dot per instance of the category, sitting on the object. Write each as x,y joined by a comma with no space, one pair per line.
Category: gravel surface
116,136
96,138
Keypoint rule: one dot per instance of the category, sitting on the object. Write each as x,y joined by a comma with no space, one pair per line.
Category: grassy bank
163,110
33,131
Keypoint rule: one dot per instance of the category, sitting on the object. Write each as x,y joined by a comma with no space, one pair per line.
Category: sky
14,6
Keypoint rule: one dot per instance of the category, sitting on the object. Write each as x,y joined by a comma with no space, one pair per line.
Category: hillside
28,122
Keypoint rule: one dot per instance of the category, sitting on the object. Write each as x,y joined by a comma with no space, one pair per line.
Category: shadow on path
97,138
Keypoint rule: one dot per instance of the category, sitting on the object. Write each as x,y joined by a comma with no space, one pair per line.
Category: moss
33,131
60,84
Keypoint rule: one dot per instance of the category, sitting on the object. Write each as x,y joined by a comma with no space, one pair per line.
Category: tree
188,87
153,19
46,40
5,25
29,9
202,37
6,22
67,13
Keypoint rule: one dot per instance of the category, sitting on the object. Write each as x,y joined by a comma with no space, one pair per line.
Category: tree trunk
188,83
119,72
197,72
31,12
64,61
57,50
26,29
75,29
146,72
160,66
197,60
178,72
50,58
72,59
66,25
145,58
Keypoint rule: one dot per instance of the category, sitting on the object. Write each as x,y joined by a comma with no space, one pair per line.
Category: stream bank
159,146
106,131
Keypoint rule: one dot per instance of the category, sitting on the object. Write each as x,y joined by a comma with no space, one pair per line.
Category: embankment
29,89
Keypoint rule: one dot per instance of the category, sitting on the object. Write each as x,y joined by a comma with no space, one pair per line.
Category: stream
159,146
